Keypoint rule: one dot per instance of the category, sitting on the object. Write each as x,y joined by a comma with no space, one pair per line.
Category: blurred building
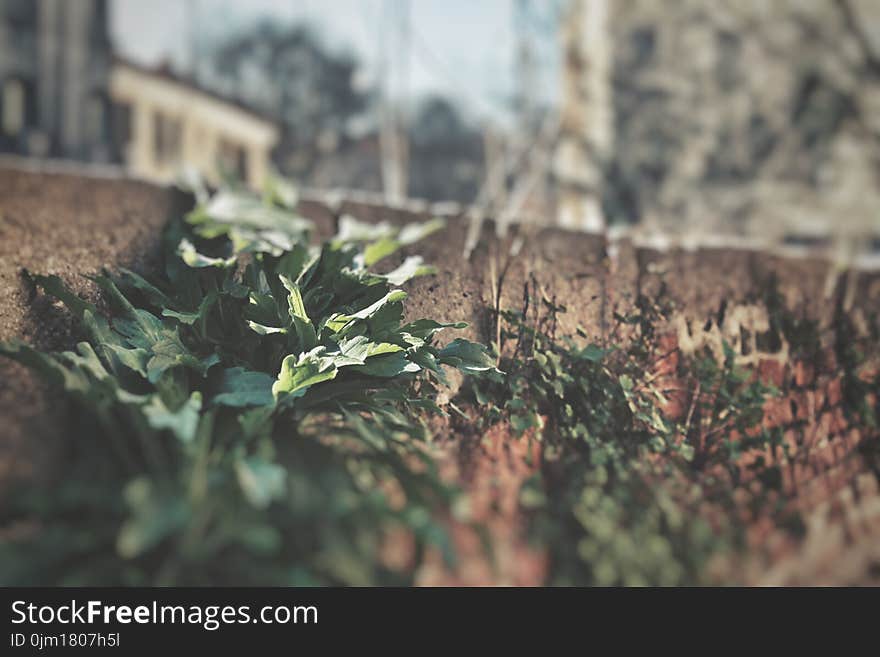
63,94
54,62
166,121
741,116
586,133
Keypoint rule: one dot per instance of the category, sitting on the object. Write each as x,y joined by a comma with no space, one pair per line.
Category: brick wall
67,225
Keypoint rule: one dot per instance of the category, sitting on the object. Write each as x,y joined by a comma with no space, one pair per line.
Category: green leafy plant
620,479
858,357
253,415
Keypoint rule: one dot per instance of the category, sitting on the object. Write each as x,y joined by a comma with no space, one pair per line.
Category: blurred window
728,60
13,107
122,124
166,138
233,159
96,118
19,14
644,43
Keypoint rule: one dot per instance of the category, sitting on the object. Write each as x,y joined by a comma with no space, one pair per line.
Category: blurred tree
446,153
287,72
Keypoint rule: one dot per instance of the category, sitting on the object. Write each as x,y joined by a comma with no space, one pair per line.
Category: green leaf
260,481
134,359
411,268
410,234
592,353
182,422
387,365
260,329
394,296
296,262
235,208
169,352
240,387
187,251
153,294
184,318
251,224
299,373
279,191
359,348
47,366
380,249
467,356
427,328
305,330
416,232
352,230
155,517
56,287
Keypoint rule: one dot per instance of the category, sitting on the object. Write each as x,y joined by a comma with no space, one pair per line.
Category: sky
460,48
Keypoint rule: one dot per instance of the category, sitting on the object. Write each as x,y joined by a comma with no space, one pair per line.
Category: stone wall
58,223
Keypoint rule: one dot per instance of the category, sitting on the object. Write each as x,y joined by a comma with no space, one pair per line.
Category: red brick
676,405
668,348
828,360
820,488
839,422
803,410
819,430
851,438
833,392
668,341
804,373
818,398
777,412
827,456
790,440
869,372
771,372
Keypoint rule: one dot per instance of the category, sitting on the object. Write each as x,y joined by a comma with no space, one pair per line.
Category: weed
251,416
621,479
